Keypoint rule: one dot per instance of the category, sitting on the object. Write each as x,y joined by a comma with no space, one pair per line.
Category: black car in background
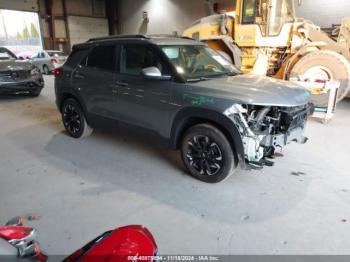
17,77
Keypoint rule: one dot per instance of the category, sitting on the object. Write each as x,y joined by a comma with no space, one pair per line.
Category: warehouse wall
165,16
85,19
83,28
324,12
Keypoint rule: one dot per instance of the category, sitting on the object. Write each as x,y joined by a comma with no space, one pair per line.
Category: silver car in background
48,60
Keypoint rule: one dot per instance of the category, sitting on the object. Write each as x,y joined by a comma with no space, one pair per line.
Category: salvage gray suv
182,94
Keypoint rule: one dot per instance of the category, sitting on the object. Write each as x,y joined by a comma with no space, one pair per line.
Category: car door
35,60
93,80
141,101
42,60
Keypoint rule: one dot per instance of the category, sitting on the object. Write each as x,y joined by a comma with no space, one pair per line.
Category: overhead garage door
83,28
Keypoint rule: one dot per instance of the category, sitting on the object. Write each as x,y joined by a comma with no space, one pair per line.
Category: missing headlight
35,71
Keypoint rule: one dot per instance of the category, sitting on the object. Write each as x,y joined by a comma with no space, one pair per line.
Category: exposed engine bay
266,128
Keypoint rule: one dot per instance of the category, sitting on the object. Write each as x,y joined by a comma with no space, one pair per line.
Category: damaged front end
263,129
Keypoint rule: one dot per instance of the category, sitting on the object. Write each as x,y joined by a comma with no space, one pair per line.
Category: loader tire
331,64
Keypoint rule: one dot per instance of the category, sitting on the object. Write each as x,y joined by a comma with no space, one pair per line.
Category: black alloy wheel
74,119
204,155
207,153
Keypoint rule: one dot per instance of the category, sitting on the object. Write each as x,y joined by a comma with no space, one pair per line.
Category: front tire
74,119
324,65
207,154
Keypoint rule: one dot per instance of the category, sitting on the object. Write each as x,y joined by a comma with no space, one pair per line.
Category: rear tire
333,64
74,119
207,154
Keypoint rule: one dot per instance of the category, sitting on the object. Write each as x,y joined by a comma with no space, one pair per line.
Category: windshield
6,55
281,12
193,62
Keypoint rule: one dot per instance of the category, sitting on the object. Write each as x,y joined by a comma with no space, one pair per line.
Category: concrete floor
81,188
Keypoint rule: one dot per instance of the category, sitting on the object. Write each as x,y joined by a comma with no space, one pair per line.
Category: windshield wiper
202,78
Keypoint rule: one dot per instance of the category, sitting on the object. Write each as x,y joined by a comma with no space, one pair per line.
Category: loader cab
270,15
262,18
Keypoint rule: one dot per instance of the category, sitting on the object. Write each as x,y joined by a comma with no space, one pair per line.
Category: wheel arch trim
191,116
66,95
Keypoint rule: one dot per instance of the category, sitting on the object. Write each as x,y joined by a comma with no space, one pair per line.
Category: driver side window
134,58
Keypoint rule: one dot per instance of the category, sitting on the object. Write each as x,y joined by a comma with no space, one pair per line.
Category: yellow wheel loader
264,37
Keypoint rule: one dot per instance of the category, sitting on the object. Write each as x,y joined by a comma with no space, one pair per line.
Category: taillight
15,232
53,61
121,245
57,72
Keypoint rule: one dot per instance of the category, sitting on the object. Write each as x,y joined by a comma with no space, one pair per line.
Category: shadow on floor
122,163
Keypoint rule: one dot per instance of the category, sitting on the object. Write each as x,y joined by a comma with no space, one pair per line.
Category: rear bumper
21,86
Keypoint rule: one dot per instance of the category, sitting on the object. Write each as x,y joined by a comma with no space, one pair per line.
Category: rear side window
76,57
102,57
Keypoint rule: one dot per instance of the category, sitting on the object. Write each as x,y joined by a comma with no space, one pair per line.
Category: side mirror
154,73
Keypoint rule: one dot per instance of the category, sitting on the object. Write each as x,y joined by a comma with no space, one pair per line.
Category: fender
191,116
60,98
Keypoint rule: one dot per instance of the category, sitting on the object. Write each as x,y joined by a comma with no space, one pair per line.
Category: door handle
121,84
79,76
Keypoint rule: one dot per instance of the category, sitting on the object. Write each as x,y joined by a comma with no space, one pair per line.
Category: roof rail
116,37
171,36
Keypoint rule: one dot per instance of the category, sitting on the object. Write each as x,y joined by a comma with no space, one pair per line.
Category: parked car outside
18,76
58,58
183,94
24,55
48,60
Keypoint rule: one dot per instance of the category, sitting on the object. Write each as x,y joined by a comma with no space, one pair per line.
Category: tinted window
102,57
75,57
134,58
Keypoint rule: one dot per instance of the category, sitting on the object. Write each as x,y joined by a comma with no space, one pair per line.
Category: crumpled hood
14,65
255,90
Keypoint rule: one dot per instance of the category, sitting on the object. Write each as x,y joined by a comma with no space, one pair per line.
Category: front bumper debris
265,129
21,86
